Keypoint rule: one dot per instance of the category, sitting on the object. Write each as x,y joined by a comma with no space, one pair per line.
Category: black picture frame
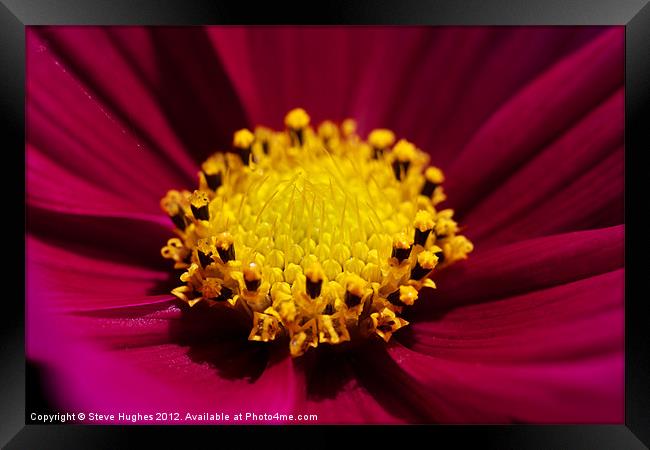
633,14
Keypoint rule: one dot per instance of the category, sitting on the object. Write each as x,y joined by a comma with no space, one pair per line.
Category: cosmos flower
525,123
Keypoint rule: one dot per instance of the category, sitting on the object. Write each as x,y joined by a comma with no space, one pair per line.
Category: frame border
633,14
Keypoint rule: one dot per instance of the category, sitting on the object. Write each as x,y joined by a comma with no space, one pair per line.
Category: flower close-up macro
348,224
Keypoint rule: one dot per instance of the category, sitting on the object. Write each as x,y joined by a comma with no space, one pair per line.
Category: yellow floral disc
315,234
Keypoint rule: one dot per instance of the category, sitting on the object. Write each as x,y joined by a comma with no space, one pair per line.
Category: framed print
243,221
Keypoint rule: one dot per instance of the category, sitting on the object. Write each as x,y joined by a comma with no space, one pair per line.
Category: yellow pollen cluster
316,235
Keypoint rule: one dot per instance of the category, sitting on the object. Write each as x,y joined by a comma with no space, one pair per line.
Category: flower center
316,235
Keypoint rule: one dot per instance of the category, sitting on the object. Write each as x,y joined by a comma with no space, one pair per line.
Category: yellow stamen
328,130
265,327
427,260
243,138
434,175
408,295
423,220
404,151
252,277
380,140
310,234
386,323
349,127
332,329
297,119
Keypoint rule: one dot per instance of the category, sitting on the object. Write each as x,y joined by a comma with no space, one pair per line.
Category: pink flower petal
481,89
544,108
70,280
195,92
129,238
333,391
350,404
89,63
333,72
350,71
55,188
72,125
276,69
525,266
577,320
595,199
164,378
582,147
586,390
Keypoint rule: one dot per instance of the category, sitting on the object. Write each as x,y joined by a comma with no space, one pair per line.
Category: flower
528,329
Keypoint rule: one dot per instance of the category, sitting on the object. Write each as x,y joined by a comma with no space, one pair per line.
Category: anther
423,225
263,136
243,141
252,277
433,178
314,280
403,152
327,131
225,247
348,127
401,247
354,291
380,140
297,120
405,295
171,204
425,264
199,204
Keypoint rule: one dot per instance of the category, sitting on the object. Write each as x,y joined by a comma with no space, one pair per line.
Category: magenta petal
587,390
164,378
333,389
526,266
475,93
577,320
56,189
130,238
276,69
75,126
140,322
68,280
595,199
195,92
351,404
231,47
333,72
578,150
544,108
94,59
